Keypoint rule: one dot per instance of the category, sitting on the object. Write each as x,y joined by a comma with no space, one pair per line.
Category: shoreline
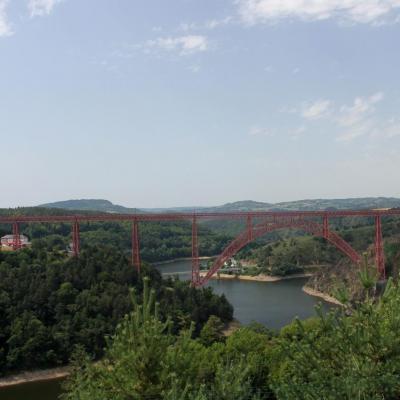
256,278
321,295
34,376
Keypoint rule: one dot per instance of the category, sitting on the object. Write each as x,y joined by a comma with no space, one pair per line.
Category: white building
231,266
231,263
8,240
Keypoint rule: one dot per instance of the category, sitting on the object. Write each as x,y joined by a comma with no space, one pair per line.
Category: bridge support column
195,254
136,246
379,251
16,245
250,228
325,227
76,243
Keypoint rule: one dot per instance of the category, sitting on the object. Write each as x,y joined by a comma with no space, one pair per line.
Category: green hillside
91,205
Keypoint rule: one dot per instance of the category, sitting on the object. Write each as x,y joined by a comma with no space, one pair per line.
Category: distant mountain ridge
91,205
245,205
340,204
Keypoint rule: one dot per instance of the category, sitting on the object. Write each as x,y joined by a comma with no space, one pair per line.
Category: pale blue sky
198,102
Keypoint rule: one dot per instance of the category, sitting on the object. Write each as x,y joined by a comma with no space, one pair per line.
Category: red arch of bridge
254,232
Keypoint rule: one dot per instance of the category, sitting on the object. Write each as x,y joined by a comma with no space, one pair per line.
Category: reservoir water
47,390
273,304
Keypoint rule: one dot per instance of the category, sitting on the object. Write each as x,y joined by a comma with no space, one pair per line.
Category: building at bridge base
10,242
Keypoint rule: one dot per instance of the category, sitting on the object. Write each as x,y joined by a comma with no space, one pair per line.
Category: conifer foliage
145,360
351,353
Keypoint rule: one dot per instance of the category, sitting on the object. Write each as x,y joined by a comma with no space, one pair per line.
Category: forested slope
50,303
351,353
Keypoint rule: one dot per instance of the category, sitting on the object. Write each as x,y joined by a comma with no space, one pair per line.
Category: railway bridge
257,224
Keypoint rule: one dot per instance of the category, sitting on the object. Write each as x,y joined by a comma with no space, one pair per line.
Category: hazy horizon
209,204
216,205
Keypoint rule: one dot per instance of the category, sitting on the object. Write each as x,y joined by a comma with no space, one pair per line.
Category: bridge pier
136,246
250,227
76,245
16,237
325,227
379,250
195,254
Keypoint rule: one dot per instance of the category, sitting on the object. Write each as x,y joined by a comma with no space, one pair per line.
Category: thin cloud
207,25
319,109
257,131
5,27
183,44
393,129
40,8
195,68
295,134
351,121
360,129
361,107
358,119
354,11
217,23
388,130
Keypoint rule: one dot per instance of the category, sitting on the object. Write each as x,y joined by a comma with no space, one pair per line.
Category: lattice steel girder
195,253
379,251
136,262
204,216
76,242
16,243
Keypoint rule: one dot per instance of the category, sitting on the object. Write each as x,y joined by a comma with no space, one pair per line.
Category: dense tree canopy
144,360
50,303
351,353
